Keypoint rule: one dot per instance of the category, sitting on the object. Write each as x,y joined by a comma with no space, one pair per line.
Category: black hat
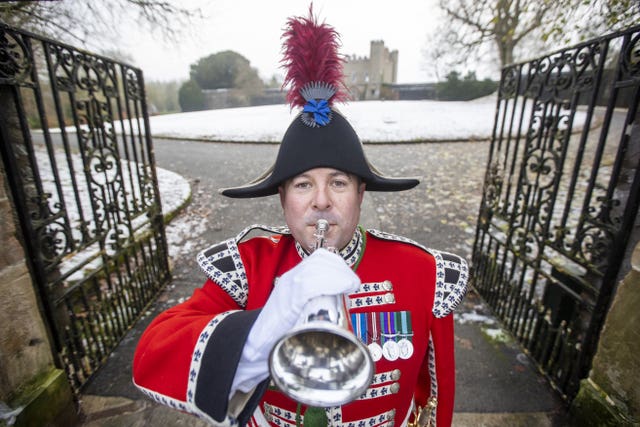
319,136
335,145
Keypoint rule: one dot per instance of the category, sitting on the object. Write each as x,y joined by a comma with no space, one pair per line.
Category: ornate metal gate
560,200
76,147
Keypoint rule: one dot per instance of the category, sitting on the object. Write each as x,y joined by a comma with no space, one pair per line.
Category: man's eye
301,185
339,183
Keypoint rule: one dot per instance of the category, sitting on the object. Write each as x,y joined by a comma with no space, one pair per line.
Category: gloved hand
321,273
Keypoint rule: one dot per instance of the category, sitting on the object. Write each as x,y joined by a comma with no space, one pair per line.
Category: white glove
321,273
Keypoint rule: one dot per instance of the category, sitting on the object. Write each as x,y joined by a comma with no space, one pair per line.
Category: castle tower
365,77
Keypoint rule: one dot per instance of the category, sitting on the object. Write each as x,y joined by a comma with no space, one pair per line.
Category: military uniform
187,358
401,310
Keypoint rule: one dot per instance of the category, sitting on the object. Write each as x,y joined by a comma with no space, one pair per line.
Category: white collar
350,253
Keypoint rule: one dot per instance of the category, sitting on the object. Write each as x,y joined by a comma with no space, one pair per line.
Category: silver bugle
321,362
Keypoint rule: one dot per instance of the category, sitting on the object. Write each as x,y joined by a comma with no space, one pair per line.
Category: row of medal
386,334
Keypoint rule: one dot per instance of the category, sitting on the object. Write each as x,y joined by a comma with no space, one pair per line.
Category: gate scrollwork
15,58
88,194
559,199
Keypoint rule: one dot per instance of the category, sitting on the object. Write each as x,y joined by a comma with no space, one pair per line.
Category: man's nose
322,198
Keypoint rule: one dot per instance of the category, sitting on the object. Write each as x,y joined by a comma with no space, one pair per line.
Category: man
210,355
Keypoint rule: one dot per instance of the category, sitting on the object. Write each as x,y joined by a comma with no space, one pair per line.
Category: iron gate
560,199
79,161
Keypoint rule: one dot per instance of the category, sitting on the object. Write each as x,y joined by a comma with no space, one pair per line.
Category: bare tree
583,20
472,24
511,29
95,24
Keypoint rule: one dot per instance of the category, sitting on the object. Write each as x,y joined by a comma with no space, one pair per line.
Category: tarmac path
496,383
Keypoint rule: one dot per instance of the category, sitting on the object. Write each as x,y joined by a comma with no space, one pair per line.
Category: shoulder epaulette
222,263
452,274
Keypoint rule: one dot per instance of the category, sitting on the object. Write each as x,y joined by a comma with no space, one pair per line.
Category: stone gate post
610,396
33,392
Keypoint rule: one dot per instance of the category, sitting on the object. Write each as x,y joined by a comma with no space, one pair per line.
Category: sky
253,29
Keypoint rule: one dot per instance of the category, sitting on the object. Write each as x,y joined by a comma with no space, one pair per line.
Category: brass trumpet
321,362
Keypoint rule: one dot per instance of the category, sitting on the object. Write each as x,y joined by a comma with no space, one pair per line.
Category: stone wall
611,394
24,345
29,381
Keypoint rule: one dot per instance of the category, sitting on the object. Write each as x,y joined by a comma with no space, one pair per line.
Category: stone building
366,78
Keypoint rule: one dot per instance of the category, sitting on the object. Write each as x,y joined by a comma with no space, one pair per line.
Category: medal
405,346
390,351
375,350
374,347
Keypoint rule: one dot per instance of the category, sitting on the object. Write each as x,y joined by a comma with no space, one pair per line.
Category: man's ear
281,194
361,189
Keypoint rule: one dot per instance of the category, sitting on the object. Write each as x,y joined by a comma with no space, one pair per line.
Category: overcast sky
253,29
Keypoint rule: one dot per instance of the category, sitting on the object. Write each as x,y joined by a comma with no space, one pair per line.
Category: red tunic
188,355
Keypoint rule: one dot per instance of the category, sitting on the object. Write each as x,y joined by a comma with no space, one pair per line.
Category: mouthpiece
322,226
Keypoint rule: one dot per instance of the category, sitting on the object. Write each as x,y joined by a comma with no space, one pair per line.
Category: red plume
310,54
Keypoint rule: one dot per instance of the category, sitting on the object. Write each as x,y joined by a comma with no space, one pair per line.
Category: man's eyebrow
302,175
337,173
332,174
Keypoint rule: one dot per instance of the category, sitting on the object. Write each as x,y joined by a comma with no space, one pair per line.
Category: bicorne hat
319,136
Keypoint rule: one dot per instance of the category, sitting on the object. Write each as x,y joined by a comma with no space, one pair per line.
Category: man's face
322,193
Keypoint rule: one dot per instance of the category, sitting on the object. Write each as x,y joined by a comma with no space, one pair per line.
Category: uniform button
391,415
395,374
390,298
395,388
387,285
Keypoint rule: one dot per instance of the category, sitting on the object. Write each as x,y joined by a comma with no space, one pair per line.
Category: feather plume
310,57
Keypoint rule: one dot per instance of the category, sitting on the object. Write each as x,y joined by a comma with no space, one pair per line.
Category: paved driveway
439,213
493,375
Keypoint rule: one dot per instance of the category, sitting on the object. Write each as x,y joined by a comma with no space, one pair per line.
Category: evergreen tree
190,96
